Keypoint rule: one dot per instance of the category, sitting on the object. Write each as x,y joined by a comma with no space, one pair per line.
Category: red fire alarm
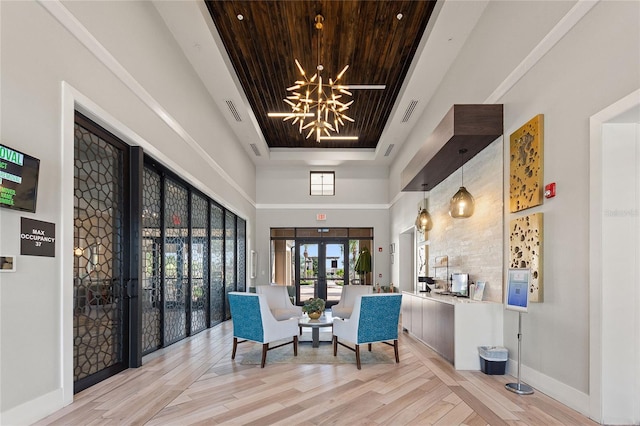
550,190
380,249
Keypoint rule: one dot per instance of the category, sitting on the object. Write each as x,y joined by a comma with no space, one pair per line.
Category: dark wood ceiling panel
366,35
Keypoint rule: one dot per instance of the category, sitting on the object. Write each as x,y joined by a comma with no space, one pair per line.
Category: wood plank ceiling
366,35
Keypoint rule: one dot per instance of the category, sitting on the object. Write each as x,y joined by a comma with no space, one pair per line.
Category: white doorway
614,263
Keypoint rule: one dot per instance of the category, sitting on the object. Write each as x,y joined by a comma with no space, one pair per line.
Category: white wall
131,76
361,200
586,70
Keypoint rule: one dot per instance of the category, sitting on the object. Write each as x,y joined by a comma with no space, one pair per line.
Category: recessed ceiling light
240,17
399,16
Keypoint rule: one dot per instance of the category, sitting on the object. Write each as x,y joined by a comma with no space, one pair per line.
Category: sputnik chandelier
317,106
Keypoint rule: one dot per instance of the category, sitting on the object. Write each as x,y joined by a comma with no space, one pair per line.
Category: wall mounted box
472,127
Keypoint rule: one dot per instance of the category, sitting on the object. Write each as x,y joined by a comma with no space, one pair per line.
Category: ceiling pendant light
423,221
462,203
316,105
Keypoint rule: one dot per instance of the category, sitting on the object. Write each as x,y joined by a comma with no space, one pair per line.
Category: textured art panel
525,250
526,163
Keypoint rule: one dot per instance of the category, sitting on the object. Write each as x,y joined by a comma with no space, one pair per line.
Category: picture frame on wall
526,146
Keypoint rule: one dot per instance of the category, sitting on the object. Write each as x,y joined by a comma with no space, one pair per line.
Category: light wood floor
195,382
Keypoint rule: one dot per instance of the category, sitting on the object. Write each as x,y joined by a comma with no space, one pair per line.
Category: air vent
234,111
409,111
255,149
389,148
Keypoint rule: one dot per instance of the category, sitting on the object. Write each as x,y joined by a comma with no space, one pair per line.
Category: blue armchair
253,321
375,318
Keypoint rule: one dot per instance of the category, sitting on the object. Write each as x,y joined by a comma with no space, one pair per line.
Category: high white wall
587,69
132,78
361,200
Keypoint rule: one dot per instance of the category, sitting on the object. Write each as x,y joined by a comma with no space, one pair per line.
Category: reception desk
453,327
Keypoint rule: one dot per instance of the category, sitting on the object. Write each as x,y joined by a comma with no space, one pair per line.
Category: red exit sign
321,216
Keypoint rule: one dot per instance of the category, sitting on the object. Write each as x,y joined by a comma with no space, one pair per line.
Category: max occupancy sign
18,180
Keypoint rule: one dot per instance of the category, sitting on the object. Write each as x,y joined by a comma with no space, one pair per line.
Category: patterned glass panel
230,256
151,261
242,254
217,299
199,262
176,261
98,237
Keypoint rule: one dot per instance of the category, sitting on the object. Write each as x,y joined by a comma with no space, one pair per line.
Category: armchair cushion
344,308
277,297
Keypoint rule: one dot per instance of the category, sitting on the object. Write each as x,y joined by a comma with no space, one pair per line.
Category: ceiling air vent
409,111
389,148
234,111
255,149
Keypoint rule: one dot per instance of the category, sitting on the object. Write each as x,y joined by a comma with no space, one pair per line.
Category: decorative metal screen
230,257
199,262
151,261
217,294
242,254
98,260
176,261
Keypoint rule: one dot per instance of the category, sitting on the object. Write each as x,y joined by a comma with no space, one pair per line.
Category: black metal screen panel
199,262
217,299
230,257
241,239
98,261
151,261
176,261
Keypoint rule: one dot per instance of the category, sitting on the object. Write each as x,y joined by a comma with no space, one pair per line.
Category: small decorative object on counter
313,307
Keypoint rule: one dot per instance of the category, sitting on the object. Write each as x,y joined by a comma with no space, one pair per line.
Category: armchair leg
395,349
335,345
295,345
265,348
235,346
358,356
369,347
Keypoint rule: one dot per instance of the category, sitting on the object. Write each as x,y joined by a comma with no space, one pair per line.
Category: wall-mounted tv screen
18,179
517,295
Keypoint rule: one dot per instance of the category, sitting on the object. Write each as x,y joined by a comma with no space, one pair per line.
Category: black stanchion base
519,388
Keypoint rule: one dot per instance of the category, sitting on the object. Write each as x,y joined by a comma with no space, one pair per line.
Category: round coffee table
326,320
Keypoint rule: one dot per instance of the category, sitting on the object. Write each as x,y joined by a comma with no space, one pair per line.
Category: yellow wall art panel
526,163
525,250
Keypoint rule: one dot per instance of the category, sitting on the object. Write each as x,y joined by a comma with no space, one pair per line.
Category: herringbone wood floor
195,382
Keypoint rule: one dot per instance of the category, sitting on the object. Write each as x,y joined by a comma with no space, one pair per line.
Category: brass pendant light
462,203
424,222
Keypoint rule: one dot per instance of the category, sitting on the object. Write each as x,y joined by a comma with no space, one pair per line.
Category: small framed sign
479,292
37,238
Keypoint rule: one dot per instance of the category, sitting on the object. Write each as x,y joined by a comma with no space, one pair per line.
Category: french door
321,269
102,261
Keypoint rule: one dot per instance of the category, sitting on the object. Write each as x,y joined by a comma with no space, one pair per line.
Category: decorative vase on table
313,307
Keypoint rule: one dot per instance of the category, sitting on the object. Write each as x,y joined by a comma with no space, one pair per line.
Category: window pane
322,183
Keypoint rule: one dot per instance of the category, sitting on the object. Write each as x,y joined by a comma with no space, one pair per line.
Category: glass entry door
321,270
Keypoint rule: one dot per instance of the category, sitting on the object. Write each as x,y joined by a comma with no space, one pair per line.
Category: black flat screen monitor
517,294
18,180
460,284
